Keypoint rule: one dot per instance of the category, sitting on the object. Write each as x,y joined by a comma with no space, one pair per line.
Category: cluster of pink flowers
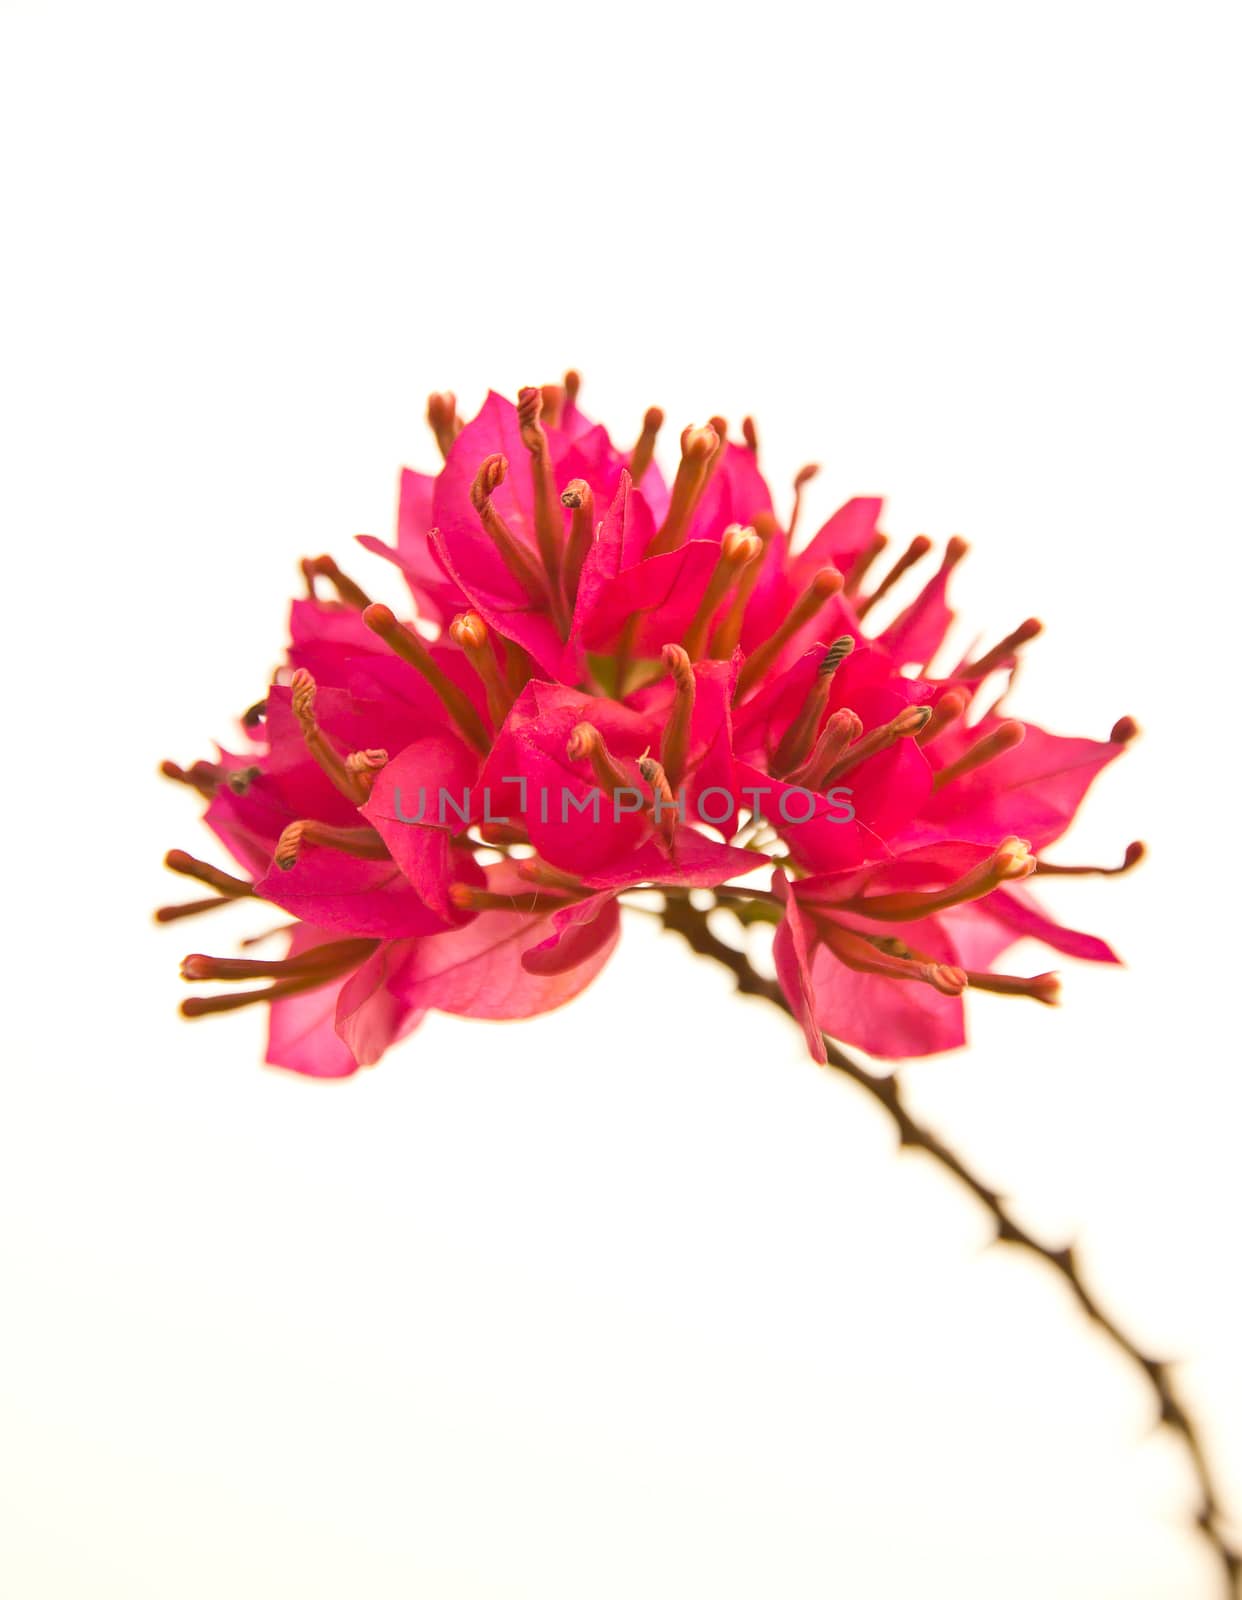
584,628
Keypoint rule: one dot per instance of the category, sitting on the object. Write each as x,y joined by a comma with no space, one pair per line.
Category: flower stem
681,917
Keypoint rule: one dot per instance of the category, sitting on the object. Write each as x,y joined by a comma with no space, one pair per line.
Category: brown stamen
863,563
1009,862
222,882
675,741
751,435
950,706
664,807
854,951
206,1005
644,451
586,743
1000,653
580,499
914,552
839,732
349,593
552,396
698,448
519,667
1134,854
1045,988
325,960
365,843
520,559
1124,730
468,630
192,908
727,636
720,428
203,776
407,644
826,582
905,725
347,782
466,897
443,420
1007,737
802,478
364,766
547,876
549,520
800,736
738,548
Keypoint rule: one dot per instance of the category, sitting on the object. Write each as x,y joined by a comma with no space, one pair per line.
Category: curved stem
681,917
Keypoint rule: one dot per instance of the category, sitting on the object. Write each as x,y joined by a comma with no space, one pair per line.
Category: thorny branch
681,917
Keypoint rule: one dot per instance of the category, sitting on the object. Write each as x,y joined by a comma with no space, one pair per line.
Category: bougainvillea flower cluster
612,685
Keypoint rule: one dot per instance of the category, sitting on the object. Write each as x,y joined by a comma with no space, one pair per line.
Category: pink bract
612,687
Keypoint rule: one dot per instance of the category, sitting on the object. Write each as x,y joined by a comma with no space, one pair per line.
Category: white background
629,1300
